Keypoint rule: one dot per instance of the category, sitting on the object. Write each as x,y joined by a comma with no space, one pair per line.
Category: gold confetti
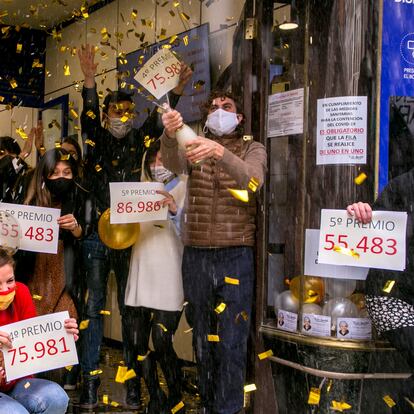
105,312
13,83
65,157
58,144
199,84
360,179
27,385
120,374
142,357
3,13
66,69
134,14
340,406
213,338
84,324
250,388
1,98
388,286
173,38
114,404
91,114
346,251
253,184
69,368
185,16
389,401
329,386
37,297
265,355
162,327
96,372
185,40
98,168
314,396
244,315
36,64
129,375
105,399
56,35
241,195
125,118
231,280
19,47
84,11
74,114
90,142
21,133
220,308
148,141
177,407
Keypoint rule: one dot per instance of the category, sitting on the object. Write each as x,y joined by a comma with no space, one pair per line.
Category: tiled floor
115,391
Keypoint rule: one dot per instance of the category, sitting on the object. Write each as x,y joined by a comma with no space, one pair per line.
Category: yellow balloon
117,236
313,288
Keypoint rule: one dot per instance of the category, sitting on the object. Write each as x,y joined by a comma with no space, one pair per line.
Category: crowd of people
202,254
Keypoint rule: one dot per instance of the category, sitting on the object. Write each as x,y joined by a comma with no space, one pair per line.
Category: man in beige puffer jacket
218,232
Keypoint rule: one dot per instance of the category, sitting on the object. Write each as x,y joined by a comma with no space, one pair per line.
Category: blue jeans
42,396
98,261
221,365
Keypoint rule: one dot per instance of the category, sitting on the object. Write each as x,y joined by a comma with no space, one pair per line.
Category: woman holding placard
26,395
154,293
54,278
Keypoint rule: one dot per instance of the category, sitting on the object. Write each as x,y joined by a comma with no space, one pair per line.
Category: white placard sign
39,344
342,130
354,328
314,268
160,74
38,225
287,321
318,325
285,113
379,244
136,202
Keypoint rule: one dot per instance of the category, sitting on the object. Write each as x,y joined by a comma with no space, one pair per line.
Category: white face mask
161,174
222,122
118,128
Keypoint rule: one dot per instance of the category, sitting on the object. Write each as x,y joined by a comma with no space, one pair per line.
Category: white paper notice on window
342,130
285,113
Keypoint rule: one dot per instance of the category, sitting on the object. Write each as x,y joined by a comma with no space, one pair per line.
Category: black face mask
59,188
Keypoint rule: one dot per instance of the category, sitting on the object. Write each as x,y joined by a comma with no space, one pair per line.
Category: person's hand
361,211
5,340
172,121
39,136
28,145
185,75
68,222
168,201
71,327
201,148
87,63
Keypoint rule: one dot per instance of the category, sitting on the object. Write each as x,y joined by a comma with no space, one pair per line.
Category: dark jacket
398,195
108,159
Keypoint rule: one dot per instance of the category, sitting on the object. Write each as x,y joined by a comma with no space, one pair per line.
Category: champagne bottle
184,134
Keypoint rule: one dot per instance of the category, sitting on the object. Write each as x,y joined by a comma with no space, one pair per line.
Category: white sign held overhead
39,344
343,240
342,130
285,113
136,202
160,74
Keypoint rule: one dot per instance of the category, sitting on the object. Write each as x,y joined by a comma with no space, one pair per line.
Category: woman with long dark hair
54,185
